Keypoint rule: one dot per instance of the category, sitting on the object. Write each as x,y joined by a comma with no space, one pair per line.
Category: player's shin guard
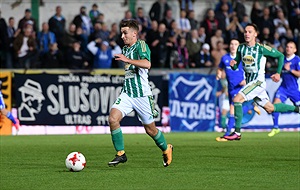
282,108
238,113
117,139
275,116
160,140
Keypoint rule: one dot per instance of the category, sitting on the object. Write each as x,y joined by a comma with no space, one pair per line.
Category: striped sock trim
113,132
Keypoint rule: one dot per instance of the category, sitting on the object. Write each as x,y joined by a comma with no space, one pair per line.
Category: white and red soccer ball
75,161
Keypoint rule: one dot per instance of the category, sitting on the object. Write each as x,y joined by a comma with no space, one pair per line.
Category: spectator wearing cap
27,19
103,53
202,59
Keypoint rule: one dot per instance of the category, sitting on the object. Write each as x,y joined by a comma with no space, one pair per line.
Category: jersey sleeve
143,50
271,52
237,58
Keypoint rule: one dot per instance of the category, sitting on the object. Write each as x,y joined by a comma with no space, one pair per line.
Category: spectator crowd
183,42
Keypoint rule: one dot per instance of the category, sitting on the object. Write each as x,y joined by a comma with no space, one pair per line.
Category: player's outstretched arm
142,63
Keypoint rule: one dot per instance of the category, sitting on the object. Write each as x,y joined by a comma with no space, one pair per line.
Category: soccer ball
75,161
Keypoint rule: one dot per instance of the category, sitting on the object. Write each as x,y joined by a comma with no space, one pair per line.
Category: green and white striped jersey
136,82
254,60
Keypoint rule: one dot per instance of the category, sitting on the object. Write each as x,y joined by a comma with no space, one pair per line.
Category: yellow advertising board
5,123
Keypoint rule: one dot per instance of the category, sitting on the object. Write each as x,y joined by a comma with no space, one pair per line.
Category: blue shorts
283,94
2,104
233,93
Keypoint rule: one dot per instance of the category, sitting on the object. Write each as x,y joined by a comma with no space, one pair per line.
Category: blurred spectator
276,42
151,39
114,35
168,19
3,37
183,23
220,3
288,36
76,58
94,13
53,58
223,18
103,54
57,25
183,55
100,18
193,44
216,54
27,19
83,21
44,39
158,10
275,7
127,15
216,38
266,38
193,21
82,38
234,29
26,48
186,5
245,21
9,49
211,24
161,43
96,31
104,32
281,23
202,35
239,9
203,58
294,14
256,12
143,20
69,38
266,21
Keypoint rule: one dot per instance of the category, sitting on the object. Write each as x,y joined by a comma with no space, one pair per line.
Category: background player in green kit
136,94
252,55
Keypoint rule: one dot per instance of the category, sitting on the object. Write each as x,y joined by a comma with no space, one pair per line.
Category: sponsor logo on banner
73,99
192,102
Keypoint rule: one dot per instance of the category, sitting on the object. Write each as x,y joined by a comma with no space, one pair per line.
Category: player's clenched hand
232,62
275,77
121,57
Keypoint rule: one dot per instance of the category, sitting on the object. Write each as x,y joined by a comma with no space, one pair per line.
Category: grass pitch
199,162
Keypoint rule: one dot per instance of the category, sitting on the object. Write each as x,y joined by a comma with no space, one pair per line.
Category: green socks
238,113
280,107
117,139
160,141
223,121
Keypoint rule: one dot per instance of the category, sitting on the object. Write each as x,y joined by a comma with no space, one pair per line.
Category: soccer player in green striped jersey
136,94
252,55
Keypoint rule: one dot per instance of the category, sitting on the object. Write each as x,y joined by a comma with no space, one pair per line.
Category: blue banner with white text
192,100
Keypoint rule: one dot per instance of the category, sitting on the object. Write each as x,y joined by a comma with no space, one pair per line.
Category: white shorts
143,106
255,90
224,102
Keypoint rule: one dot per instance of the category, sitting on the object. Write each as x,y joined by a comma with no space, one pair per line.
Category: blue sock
275,119
11,117
230,124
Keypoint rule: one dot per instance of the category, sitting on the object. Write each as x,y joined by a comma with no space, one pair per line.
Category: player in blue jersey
252,56
7,113
236,81
289,87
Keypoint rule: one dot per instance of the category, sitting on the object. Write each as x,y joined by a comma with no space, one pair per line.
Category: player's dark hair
253,25
130,23
234,39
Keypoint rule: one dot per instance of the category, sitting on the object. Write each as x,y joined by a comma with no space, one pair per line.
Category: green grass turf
255,162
